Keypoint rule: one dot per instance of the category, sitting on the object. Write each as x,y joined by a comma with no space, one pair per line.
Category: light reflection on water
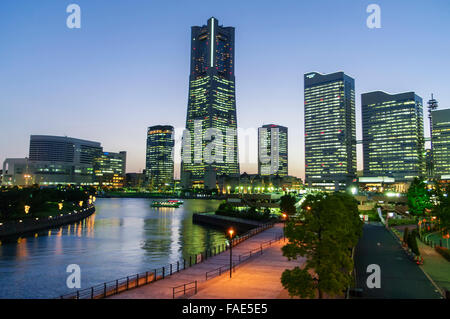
124,237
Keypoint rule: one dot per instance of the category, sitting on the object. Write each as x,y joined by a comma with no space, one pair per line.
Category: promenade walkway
258,277
436,266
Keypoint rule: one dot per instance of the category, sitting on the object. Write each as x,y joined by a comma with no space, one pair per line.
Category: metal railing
184,288
114,287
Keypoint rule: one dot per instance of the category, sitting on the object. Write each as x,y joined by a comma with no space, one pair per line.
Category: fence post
184,263
154,277
137,280
178,266
163,272
117,286
104,290
78,294
190,261
146,277
170,269
128,282
92,292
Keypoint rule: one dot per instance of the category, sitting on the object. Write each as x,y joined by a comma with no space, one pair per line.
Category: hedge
444,252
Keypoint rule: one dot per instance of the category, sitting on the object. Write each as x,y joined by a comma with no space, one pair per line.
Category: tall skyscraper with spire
211,114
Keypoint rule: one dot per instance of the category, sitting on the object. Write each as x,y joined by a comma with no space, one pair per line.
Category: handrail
114,287
184,290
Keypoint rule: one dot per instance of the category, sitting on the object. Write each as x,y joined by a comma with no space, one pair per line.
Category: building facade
110,169
53,160
330,130
210,140
159,158
273,150
441,144
393,135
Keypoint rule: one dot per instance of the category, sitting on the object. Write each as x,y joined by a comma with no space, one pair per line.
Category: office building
441,144
110,169
211,112
159,159
272,150
393,135
330,132
53,160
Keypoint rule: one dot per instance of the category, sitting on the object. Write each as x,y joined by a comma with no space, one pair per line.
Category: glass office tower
273,150
393,140
159,159
211,112
441,143
330,133
110,169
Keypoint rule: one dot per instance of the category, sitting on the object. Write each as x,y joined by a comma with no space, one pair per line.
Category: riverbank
28,226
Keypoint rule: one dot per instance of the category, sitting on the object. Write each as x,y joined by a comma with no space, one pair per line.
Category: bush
412,242
444,252
405,235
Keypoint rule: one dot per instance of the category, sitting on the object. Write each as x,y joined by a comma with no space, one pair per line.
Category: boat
174,203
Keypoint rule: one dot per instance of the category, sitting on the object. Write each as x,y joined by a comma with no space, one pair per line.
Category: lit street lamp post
231,231
284,215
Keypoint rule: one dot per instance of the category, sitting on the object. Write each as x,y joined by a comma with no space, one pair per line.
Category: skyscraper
273,150
159,159
211,112
330,132
441,143
393,140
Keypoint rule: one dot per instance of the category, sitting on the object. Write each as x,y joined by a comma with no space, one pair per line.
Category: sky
127,67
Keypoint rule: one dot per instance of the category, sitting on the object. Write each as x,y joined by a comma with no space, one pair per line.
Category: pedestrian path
400,277
436,266
264,270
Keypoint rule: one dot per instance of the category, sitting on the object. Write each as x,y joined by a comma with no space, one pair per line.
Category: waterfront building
211,111
330,131
441,143
273,150
159,158
110,169
134,180
53,160
393,135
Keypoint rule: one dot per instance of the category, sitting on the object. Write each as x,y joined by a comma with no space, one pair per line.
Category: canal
125,236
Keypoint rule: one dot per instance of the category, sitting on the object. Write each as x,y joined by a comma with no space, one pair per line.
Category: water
124,237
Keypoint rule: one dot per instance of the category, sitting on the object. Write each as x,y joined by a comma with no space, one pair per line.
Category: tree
405,235
329,228
412,242
287,205
442,208
418,197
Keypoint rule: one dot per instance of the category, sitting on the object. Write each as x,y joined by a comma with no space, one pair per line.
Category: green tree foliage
13,200
442,209
330,227
412,242
418,197
405,235
287,205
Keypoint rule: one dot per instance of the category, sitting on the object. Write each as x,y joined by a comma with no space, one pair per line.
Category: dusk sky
127,68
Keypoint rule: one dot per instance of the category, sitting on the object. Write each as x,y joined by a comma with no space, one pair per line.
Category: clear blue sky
127,67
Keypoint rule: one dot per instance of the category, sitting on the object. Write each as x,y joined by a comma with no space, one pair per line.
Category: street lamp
231,232
27,209
284,215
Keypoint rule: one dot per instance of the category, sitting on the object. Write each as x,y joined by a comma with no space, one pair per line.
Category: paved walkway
400,277
258,277
436,266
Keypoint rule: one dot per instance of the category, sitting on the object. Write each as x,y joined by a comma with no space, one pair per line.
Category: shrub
444,252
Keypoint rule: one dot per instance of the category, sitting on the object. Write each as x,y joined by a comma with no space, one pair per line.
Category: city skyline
82,83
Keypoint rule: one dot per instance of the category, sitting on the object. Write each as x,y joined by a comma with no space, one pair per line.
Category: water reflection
123,237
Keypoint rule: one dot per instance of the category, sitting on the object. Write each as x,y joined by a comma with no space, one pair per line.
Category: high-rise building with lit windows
330,132
273,150
159,157
211,112
110,169
441,143
393,140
